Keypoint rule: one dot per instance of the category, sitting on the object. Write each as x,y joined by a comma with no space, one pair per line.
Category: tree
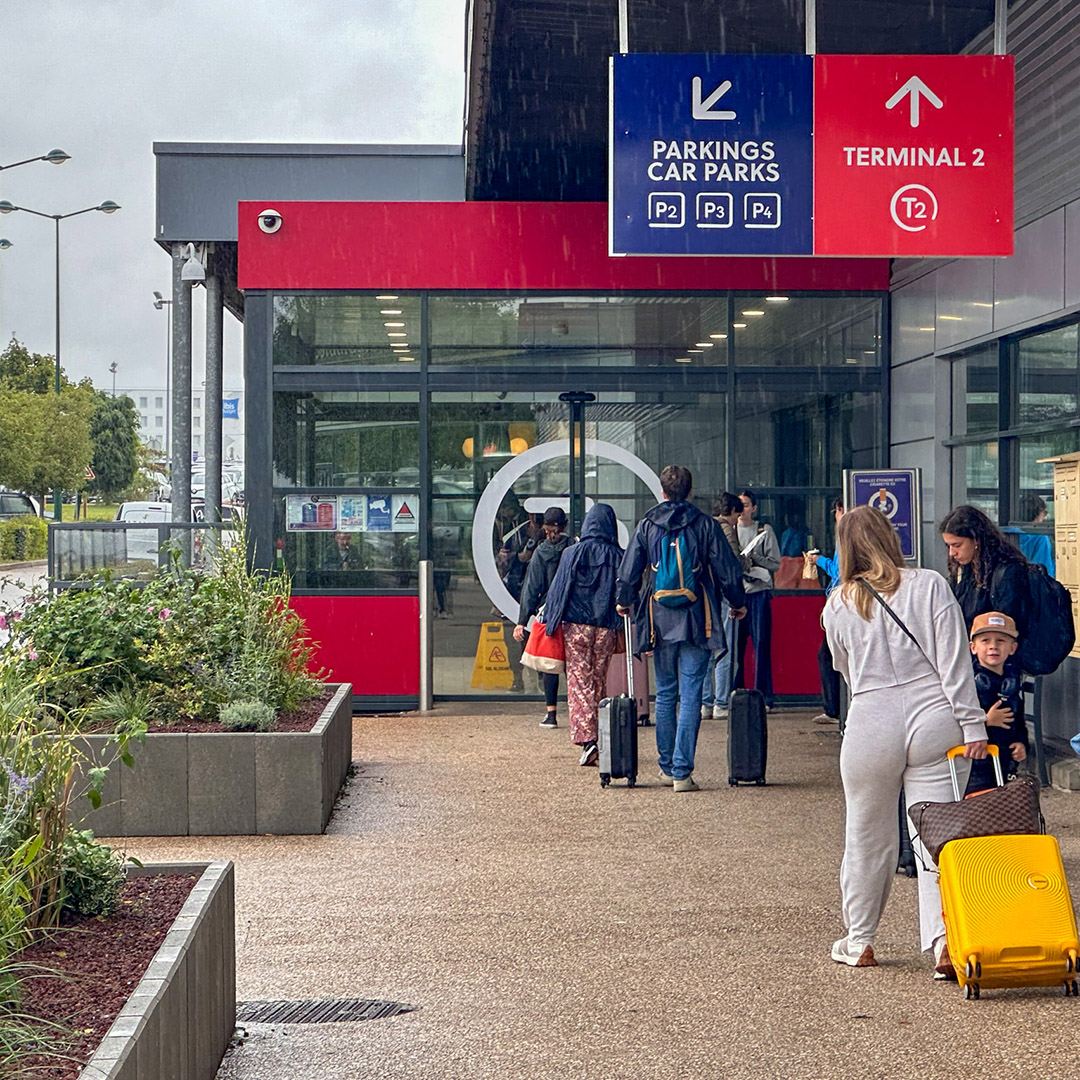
114,432
20,369
46,439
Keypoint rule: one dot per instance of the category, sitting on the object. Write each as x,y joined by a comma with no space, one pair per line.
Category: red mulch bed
101,961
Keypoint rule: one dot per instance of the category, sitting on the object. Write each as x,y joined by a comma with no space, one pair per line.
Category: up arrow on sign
914,86
703,110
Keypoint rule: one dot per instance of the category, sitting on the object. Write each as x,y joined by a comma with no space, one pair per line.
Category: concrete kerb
221,784
161,1008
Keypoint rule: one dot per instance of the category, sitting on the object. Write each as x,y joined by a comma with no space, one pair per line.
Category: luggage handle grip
958,751
628,632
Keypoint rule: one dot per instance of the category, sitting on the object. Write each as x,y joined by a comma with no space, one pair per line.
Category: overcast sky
105,79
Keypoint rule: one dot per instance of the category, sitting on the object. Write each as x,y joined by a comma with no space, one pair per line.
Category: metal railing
80,549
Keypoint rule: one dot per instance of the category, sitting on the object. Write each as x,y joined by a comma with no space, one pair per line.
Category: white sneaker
825,718
706,711
719,712
846,952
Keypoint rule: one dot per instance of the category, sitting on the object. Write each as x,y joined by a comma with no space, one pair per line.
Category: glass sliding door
517,448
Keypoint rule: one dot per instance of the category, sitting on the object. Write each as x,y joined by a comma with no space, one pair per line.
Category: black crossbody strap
892,614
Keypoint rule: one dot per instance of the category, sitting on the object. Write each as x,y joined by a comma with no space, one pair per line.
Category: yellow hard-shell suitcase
1009,918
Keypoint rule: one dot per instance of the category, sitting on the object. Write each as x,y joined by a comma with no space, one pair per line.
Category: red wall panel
497,245
371,641
797,637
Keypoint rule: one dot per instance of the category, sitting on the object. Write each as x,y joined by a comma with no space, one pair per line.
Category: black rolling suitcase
617,729
748,741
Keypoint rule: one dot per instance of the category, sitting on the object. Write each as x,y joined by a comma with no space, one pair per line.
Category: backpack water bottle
675,575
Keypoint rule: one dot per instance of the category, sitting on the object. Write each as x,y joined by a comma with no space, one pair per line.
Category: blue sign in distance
711,155
892,491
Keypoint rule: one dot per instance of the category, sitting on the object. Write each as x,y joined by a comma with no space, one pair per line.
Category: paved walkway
548,929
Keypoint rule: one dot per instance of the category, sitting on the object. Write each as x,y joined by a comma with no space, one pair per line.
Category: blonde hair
869,550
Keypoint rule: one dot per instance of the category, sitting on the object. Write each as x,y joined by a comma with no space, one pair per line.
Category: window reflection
1046,366
346,439
804,439
800,331
341,329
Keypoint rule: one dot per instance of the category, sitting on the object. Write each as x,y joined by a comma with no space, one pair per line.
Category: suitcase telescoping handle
628,630
958,751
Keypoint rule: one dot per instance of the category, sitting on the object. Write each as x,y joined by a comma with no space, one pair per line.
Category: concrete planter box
179,1019
195,784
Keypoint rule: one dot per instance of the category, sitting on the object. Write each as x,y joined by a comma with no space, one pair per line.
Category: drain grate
318,1011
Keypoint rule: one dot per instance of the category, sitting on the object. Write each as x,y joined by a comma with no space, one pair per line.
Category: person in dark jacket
681,638
582,600
987,572
538,579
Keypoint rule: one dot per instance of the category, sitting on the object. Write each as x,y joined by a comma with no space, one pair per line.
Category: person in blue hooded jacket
582,600
681,638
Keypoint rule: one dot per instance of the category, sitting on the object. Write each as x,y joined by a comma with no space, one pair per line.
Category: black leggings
551,688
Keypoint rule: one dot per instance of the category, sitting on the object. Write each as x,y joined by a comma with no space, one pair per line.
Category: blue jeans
680,668
720,672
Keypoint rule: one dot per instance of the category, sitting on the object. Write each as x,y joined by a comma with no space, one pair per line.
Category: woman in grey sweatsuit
910,703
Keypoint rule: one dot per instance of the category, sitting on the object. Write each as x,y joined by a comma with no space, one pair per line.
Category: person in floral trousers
588,651
582,600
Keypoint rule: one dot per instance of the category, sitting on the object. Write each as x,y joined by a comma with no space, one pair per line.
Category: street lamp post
106,207
166,305
53,157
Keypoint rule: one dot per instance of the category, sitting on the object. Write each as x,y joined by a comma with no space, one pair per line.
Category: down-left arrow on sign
703,108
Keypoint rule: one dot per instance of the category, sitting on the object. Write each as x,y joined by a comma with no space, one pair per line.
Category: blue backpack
675,575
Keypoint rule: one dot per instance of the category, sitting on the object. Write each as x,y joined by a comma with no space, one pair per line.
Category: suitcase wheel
631,780
971,990
760,781
605,779
732,782
1070,962
1071,988
973,970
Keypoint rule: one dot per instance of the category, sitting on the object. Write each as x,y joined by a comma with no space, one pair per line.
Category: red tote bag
543,653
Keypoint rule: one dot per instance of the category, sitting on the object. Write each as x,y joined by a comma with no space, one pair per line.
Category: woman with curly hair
987,572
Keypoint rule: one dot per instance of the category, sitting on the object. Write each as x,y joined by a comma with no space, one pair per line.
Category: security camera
269,221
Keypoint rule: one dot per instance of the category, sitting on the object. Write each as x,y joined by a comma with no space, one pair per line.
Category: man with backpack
686,565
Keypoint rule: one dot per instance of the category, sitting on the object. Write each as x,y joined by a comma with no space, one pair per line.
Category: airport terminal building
433,333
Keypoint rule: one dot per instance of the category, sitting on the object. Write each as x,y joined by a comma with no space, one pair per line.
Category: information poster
352,513
895,492
310,513
405,510
379,513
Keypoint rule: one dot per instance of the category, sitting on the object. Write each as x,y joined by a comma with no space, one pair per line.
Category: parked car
145,543
15,504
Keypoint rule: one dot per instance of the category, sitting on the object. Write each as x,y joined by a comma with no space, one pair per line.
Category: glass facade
1015,401
383,447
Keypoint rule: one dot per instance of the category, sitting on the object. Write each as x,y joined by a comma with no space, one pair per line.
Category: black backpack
1050,633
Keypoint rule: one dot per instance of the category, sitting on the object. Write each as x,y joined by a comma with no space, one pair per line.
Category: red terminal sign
913,155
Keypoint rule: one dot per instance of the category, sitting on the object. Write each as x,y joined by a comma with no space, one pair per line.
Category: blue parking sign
711,155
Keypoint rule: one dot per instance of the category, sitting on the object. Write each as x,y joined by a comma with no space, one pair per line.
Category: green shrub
23,538
93,875
200,640
247,716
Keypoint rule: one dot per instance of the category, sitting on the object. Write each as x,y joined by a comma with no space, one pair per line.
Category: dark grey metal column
577,399
258,429
181,391
215,314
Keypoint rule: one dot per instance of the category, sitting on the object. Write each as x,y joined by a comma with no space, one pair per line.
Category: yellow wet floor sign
491,670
